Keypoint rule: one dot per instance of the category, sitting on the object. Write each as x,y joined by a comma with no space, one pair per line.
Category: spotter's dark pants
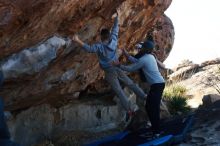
153,105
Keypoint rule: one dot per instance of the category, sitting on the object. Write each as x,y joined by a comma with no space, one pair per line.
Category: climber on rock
106,52
148,64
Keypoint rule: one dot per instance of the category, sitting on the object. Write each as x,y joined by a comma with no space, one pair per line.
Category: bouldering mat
173,131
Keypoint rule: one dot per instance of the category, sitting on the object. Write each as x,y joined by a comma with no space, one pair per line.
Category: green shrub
174,90
176,98
178,105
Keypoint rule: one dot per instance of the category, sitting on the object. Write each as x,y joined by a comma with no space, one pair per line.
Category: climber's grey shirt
106,51
149,66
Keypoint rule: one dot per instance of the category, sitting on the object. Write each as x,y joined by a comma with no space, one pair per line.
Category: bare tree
213,80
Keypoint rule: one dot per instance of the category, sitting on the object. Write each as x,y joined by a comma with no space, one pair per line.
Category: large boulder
210,99
45,72
45,122
37,59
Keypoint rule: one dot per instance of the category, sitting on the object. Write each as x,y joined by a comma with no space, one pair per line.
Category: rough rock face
205,130
37,59
206,127
185,71
199,79
45,122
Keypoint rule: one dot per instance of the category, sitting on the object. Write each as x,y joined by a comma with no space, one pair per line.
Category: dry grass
176,99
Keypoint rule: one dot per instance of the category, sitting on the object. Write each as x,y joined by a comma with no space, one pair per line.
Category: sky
197,31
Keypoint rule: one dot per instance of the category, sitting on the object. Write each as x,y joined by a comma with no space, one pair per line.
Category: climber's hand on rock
117,12
75,38
114,16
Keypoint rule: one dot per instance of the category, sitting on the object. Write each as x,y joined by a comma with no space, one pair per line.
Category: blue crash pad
174,129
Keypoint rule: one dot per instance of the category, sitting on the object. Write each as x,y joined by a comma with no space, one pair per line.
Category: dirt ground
206,127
